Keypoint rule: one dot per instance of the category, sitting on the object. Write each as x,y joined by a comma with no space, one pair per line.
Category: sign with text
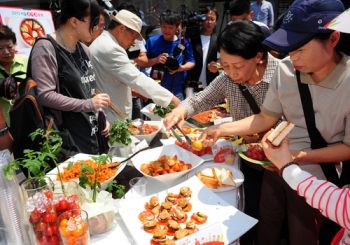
28,24
212,235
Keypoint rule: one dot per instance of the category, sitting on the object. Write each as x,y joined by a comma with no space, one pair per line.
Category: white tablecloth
119,233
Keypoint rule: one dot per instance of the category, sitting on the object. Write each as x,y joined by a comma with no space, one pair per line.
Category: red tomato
48,194
35,214
41,226
73,205
198,220
144,215
183,220
49,217
33,221
49,231
208,150
42,240
53,240
201,152
153,242
62,205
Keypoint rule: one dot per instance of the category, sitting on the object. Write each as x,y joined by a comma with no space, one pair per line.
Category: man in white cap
115,74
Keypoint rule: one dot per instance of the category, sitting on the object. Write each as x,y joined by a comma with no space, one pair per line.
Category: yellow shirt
19,63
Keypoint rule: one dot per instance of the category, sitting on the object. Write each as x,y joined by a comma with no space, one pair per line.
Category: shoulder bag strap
317,141
249,98
4,73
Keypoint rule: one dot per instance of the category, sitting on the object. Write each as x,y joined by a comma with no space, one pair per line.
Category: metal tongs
188,140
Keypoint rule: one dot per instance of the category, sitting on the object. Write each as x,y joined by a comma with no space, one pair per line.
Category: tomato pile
43,212
256,152
165,165
195,148
73,228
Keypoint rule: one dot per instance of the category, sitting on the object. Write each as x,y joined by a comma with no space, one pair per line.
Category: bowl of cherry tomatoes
166,163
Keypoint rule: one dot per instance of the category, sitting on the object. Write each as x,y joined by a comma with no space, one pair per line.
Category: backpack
27,115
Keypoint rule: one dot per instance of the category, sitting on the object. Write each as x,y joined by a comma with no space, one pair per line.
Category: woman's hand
176,116
213,67
101,101
280,155
210,135
105,131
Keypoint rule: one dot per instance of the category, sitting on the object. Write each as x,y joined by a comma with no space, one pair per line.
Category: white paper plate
171,141
81,156
237,175
234,223
146,111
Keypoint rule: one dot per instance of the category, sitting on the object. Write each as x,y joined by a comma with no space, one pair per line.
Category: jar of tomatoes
43,204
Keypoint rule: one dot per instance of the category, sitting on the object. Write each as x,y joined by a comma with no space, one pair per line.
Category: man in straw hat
317,63
115,74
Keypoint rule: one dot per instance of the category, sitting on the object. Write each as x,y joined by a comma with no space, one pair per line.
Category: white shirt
205,48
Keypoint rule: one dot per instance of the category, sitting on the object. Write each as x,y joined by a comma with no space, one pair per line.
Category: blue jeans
180,96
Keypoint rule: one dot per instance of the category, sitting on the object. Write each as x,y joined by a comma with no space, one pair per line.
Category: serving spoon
138,122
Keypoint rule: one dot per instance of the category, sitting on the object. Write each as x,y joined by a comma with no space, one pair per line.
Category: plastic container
12,229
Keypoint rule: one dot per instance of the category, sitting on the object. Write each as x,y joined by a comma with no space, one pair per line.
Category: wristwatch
4,131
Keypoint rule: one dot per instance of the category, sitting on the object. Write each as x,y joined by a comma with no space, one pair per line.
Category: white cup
138,187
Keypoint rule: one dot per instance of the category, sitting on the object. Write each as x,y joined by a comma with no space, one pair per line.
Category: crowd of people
241,64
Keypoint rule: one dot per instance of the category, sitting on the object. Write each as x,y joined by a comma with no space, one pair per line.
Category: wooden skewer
114,107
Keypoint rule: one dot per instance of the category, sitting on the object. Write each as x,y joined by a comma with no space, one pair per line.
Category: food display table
119,234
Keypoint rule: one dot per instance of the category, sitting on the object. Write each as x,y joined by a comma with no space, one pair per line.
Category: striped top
333,202
224,87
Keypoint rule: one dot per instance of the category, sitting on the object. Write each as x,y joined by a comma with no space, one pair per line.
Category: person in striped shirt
333,202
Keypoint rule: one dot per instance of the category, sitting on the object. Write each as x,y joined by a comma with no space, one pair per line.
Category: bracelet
280,172
4,131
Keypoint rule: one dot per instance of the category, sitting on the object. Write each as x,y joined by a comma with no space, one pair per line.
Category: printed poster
28,24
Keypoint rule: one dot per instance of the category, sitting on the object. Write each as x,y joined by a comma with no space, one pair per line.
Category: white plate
81,156
237,175
234,223
171,141
146,111
168,150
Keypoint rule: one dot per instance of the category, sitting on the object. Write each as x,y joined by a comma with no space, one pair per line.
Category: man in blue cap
318,61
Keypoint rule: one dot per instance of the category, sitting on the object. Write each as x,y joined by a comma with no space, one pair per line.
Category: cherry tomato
49,217
42,240
51,230
65,232
62,205
63,223
72,239
35,214
33,221
73,205
48,194
197,145
77,232
41,226
52,240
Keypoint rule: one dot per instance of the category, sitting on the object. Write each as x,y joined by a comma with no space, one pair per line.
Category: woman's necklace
83,69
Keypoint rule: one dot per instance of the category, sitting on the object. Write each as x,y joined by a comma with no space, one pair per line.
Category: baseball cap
302,20
128,19
143,18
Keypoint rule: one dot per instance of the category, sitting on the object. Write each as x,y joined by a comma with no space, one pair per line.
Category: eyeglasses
135,34
95,28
